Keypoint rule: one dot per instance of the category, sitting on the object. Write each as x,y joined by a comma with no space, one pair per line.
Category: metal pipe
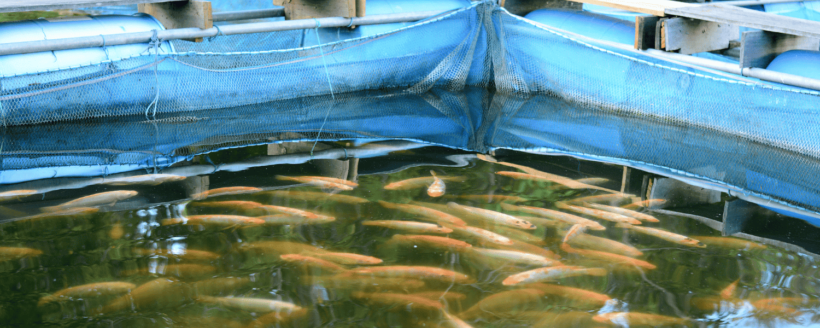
248,14
709,64
755,2
15,48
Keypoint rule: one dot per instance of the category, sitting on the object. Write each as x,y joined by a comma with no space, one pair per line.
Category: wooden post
758,48
360,8
181,14
645,27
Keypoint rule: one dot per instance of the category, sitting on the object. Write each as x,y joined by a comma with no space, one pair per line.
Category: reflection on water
349,237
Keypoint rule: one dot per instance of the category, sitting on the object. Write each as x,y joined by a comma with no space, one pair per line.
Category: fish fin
433,173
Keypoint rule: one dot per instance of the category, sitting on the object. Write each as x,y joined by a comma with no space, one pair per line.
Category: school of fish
543,263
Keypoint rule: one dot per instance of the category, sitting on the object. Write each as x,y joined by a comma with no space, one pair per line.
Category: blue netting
538,89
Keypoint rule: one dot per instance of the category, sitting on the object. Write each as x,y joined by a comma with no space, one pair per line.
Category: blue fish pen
460,74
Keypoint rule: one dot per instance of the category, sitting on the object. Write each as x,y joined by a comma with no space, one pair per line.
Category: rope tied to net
154,44
330,85
105,49
218,33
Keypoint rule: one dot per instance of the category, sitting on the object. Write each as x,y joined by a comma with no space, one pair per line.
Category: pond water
276,245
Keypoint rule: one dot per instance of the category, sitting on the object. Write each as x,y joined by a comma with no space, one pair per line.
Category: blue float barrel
594,25
70,27
804,63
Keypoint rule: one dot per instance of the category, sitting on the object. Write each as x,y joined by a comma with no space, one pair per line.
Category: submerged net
476,78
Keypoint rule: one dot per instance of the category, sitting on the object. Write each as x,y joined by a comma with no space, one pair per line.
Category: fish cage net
476,78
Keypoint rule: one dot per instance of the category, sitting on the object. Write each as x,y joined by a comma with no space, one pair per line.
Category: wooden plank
690,36
304,9
652,7
361,8
645,28
7,6
749,18
758,48
181,14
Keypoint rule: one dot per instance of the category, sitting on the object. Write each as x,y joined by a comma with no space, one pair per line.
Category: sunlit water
135,241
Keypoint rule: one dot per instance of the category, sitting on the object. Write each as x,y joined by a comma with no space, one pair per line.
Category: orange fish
421,182
622,211
550,274
62,214
497,217
428,213
489,198
412,272
729,242
103,198
297,212
116,231
523,247
233,205
16,194
88,291
575,294
185,254
729,291
551,178
346,258
290,219
409,226
255,305
159,292
221,220
16,253
277,318
515,233
608,257
226,191
311,263
616,198
665,235
573,231
320,182
603,215
436,188
605,245
631,319
555,215
279,247
399,301
505,302
481,234
317,196
515,257
649,203
432,242
364,283
145,179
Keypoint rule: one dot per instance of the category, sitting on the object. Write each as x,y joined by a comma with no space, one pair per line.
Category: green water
104,247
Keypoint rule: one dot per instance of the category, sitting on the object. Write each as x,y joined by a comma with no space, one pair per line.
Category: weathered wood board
7,6
181,14
689,36
749,18
758,48
652,7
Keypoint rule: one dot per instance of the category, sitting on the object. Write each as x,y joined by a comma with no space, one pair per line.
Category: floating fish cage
433,163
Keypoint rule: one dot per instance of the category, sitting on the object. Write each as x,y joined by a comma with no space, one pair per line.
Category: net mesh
477,78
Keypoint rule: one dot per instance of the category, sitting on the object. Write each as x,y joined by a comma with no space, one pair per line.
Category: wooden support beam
736,213
304,9
689,36
9,6
749,18
758,48
645,29
181,14
652,7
